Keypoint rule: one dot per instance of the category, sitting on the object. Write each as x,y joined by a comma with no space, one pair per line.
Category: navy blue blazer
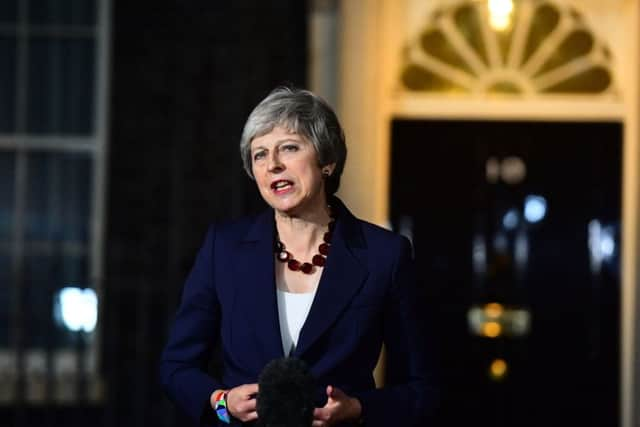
364,298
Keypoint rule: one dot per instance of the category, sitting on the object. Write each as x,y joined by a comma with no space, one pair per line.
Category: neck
302,233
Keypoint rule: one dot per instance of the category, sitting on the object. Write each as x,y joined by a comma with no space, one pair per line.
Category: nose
275,165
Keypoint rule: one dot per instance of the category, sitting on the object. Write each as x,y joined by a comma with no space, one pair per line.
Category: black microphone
286,394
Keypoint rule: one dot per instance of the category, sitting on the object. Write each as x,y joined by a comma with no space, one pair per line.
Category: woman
304,279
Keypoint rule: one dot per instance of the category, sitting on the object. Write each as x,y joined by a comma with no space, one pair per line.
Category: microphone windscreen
286,394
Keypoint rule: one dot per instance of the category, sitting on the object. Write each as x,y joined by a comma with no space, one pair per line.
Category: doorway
522,218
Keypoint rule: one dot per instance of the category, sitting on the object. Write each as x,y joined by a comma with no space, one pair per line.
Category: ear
327,170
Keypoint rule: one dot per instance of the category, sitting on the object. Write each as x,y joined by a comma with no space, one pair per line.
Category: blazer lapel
256,296
343,276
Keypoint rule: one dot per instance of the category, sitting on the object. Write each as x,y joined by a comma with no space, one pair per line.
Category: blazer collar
343,275
255,286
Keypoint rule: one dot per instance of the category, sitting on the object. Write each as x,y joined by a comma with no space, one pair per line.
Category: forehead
277,135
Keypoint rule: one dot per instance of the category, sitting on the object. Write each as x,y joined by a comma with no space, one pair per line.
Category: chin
288,207
282,205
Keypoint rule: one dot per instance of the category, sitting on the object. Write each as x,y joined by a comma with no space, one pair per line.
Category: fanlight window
521,47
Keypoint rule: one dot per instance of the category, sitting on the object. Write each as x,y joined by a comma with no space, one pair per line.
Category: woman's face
286,170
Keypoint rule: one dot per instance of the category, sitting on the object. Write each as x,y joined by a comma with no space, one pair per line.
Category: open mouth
281,186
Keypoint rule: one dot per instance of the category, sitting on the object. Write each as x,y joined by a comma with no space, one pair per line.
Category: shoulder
383,240
240,228
232,227
371,236
376,234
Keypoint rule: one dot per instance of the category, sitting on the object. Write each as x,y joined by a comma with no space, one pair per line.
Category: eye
290,147
259,155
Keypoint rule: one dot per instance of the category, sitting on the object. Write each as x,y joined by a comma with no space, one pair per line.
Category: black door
516,231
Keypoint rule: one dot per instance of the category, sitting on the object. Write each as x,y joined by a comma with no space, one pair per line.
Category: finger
321,414
246,406
251,388
329,390
336,393
249,405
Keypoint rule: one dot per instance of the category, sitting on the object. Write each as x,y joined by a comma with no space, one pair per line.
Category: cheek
261,181
312,174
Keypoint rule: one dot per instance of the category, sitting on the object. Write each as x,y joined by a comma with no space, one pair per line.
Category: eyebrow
278,142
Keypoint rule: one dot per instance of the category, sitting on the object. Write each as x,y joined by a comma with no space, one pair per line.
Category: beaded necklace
318,259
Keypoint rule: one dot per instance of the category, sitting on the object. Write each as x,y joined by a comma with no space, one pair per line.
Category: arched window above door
511,47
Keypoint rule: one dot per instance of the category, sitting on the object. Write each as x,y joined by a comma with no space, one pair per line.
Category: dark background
184,77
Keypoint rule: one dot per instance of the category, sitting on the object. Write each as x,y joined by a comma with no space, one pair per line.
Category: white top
292,312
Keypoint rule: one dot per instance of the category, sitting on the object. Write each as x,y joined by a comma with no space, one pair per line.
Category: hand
339,407
241,402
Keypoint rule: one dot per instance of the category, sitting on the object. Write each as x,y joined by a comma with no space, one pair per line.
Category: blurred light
519,322
595,248
602,244
492,170
77,309
500,242
500,14
521,250
498,369
510,219
491,329
493,310
494,319
607,243
513,170
479,255
535,208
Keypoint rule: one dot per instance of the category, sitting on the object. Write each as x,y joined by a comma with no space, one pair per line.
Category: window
524,48
52,161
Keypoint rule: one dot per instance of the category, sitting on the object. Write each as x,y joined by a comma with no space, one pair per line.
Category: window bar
17,303
100,131
50,345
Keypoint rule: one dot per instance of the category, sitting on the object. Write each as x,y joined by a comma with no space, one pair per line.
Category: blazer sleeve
410,394
195,330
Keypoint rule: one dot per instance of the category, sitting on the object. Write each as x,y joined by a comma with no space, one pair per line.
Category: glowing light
535,208
493,310
500,242
500,13
491,329
77,309
492,170
479,255
494,319
513,170
607,244
510,219
498,369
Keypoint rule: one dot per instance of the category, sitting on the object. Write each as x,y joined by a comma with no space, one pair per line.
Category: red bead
293,265
324,249
318,260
